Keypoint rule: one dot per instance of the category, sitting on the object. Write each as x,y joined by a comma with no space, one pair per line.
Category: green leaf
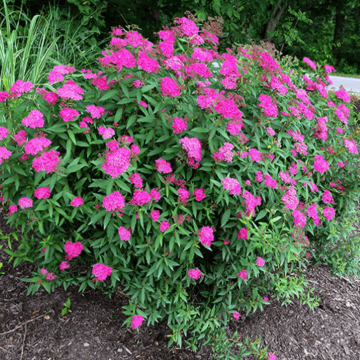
225,217
261,215
72,136
147,87
200,129
109,94
74,168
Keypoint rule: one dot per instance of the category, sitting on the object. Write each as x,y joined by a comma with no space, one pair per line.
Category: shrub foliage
198,182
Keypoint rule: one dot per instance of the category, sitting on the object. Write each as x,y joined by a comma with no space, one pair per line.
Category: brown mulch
93,330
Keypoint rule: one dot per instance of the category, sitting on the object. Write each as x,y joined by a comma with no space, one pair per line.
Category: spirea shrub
198,183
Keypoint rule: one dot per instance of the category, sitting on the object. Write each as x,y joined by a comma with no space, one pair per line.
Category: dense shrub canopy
194,179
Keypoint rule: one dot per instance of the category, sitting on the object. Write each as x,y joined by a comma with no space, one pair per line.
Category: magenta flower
48,162
25,203
136,180
242,234
124,234
42,193
260,261
199,194
270,131
50,276
12,209
163,166
243,275
169,87
313,66
329,213
95,111
64,265
231,184
73,249
101,271
226,242
183,196
164,225
155,195
34,120
195,274
155,214
136,321
68,114
114,202
236,315
140,198
77,201
266,298
206,235
36,145
272,356
106,133
179,125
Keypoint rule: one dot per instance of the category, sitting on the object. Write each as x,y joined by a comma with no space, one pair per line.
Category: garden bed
93,330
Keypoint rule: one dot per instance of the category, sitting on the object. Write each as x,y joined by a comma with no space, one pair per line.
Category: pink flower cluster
320,164
195,274
117,162
290,198
20,87
25,203
184,196
155,214
269,108
169,87
48,162
56,74
124,234
140,198
101,271
4,154
179,125
106,133
225,153
206,235
20,137
34,120
243,274
49,276
42,193
163,166
77,201
95,111
193,148
164,225
242,234
36,145
199,194
73,250
136,180
114,202
136,321
70,90
232,185
68,114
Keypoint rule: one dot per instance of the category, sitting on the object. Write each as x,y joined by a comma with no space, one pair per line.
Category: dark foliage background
327,31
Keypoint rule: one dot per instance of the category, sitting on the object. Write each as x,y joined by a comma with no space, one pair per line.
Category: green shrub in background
29,48
199,181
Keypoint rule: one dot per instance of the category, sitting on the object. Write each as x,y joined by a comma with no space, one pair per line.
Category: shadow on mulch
93,330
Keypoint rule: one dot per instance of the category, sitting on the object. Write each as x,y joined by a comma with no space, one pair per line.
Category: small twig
19,326
22,347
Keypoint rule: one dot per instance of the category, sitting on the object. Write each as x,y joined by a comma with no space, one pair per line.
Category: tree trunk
271,25
339,19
